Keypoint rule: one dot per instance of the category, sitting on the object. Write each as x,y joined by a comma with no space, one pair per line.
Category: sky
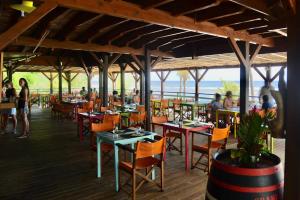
220,74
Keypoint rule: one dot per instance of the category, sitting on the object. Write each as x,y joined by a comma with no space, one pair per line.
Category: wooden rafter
260,73
133,12
25,23
156,60
113,59
277,74
154,3
255,54
137,61
74,76
256,5
97,59
55,44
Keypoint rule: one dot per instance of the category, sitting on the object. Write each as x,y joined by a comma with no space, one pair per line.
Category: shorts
24,110
13,111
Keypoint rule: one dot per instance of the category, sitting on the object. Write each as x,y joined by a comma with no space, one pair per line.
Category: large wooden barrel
235,183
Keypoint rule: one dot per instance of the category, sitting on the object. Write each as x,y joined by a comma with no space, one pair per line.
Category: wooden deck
53,164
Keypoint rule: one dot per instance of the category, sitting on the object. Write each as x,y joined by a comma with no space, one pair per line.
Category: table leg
153,171
235,125
131,155
80,120
164,135
116,149
99,157
187,167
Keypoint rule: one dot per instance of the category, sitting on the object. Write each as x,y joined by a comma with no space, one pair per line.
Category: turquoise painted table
108,137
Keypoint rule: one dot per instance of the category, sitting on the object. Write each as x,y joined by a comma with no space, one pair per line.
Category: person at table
136,97
266,105
10,94
23,106
83,92
115,96
216,104
228,101
266,90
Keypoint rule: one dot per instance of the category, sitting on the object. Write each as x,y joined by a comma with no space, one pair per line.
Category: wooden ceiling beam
187,7
256,5
154,3
134,12
24,24
70,45
251,24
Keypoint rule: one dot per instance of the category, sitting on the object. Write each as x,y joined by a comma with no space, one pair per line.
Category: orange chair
105,148
144,159
115,119
140,108
137,119
171,136
104,109
217,139
88,106
97,104
175,108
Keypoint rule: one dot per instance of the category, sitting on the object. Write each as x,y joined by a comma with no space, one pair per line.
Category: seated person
228,101
136,97
266,105
115,96
215,105
83,92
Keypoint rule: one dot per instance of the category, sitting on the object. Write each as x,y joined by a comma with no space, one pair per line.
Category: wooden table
75,105
4,106
234,112
108,137
185,129
92,117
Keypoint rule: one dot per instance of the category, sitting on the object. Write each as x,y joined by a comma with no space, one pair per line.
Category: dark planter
230,182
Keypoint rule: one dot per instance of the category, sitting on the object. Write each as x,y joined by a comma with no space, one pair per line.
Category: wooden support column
1,68
69,81
60,70
122,67
147,70
105,80
162,77
50,78
89,72
113,77
136,79
100,69
142,87
243,54
9,71
268,75
197,78
292,165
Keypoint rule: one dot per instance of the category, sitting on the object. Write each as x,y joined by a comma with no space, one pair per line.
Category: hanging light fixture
25,7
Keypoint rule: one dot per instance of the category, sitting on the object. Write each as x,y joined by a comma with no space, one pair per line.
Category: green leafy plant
251,143
229,86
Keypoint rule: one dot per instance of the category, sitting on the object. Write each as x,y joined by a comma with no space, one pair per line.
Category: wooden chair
171,136
115,119
103,109
217,139
140,108
97,104
137,119
88,106
147,155
175,108
105,147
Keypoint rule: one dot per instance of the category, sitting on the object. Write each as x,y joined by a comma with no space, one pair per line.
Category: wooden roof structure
169,28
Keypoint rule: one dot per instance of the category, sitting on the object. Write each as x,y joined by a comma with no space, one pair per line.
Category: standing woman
23,106
11,95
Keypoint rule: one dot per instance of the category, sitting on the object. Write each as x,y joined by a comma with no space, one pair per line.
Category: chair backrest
164,103
160,119
115,119
220,133
82,110
105,126
146,149
103,109
140,108
52,99
137,117
88,105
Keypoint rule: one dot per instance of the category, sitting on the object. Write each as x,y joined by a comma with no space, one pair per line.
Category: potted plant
250,171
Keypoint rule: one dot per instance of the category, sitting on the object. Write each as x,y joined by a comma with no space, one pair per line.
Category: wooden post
162,84
147,70
105,80
51,83
142,87
196,85
59,67
9,71
100,82
69,81
245,60
292,165
268,76
122,67
1,75
89,79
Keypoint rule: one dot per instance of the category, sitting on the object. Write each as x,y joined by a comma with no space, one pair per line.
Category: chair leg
119,179
133,185
209,161
162,176
180,143
192,159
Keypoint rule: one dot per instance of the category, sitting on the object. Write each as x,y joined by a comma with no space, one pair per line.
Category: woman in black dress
23,106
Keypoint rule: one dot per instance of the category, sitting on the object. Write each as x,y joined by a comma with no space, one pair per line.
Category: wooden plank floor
53,164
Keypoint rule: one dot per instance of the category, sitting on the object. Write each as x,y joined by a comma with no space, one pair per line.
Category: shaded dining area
119,141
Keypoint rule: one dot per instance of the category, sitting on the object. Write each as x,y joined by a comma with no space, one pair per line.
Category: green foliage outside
38,82
229,86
